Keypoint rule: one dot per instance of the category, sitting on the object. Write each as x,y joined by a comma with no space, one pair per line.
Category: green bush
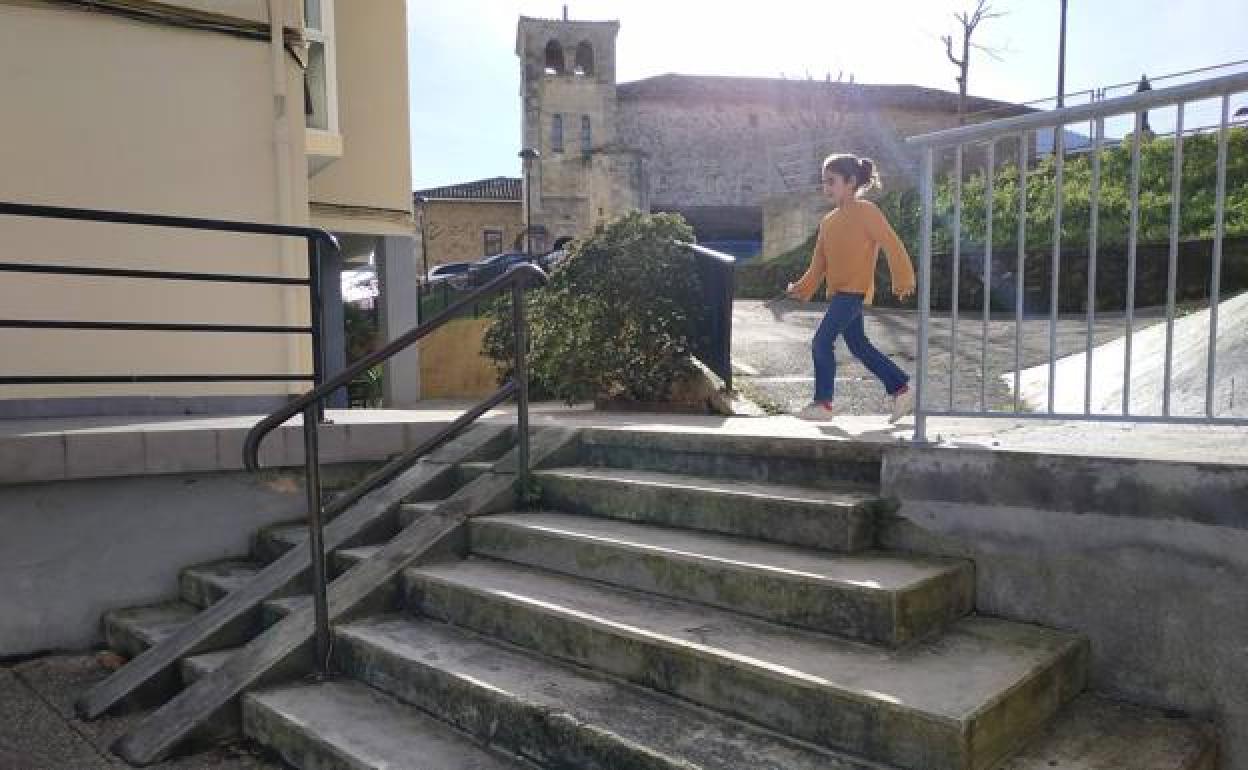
616,320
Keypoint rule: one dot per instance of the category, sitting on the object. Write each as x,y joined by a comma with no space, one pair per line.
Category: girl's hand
790,291
903,292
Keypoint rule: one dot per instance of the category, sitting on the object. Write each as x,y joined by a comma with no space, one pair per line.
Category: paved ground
39,732
773,339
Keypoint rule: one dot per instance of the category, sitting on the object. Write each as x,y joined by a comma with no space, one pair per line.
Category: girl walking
846,249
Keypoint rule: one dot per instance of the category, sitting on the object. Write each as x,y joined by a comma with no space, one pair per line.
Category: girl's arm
899,266
808,284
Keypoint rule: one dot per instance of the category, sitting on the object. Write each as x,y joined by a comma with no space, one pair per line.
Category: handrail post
316,540
521,376
925,295
315,320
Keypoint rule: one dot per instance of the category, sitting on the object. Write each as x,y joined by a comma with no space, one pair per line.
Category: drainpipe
281,129
282,167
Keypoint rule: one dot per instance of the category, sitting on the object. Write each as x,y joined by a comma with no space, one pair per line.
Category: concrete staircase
678,604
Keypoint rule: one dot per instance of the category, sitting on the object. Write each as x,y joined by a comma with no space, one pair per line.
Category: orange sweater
845,252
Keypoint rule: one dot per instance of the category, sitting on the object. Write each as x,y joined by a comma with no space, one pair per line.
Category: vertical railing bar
1176,186
315,319
956,276
316,540
1094,197
925,295
521,331
1019,284
1215,283
1132,244
989,191
1059,149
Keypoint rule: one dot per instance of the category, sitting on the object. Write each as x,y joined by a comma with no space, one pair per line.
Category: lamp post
1061,61
422,201
528,154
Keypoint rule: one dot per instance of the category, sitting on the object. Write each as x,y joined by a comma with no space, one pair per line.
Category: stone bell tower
567,86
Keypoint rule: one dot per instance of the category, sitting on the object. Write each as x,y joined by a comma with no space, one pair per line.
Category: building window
321,76
554,58
584,59
587,138
493,241
556,134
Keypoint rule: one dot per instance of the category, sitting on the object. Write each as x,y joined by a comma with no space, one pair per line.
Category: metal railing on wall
319,244
713,330
984,139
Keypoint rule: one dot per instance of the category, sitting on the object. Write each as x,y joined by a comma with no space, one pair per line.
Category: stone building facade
465,222
719,150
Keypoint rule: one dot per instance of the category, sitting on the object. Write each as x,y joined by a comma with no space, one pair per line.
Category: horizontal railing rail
517,279
713,338
319,242
983,139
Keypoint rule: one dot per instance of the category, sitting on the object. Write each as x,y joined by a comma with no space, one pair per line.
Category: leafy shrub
616,320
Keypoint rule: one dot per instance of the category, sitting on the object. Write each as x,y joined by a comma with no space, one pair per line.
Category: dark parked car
440,273
486,270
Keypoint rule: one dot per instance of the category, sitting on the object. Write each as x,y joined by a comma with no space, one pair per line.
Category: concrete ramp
1148,354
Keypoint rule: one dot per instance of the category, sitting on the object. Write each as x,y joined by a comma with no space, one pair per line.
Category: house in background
199,109
465,222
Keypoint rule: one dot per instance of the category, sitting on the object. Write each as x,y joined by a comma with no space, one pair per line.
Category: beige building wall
105,112
369,188
102,111
454,231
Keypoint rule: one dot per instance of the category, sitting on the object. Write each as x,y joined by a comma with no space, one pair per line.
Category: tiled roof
722,89
499,188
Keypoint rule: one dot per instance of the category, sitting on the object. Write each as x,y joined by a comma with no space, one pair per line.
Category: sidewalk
38,730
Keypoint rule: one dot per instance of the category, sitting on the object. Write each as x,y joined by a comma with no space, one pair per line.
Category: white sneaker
816,412
903,404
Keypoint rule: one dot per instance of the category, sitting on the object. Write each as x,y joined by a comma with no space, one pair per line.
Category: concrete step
836,520
471,471
872,597
205,584
720,454
196,666
555,714
344,724
409,511
272,542
132,630
1094,733
965,700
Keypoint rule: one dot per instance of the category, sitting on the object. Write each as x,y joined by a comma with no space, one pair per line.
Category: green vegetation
763,280
616,319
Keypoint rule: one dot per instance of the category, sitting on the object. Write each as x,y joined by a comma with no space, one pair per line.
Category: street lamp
422,201
1061,62
528,154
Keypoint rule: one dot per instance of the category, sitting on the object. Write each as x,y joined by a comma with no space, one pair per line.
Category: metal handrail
1145,100
316,238
1010,130
517,278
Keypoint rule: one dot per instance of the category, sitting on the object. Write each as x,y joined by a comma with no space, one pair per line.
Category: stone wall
455,230
788,220
451,362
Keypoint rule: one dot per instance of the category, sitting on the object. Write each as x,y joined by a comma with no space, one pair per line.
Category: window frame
556,133
486,232
324,36
587,136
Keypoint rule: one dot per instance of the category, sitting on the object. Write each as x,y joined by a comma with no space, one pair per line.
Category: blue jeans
844,317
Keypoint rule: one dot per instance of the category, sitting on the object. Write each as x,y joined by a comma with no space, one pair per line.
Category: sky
465,78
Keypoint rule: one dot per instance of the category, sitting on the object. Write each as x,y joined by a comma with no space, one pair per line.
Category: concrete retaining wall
70,550
1149,560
